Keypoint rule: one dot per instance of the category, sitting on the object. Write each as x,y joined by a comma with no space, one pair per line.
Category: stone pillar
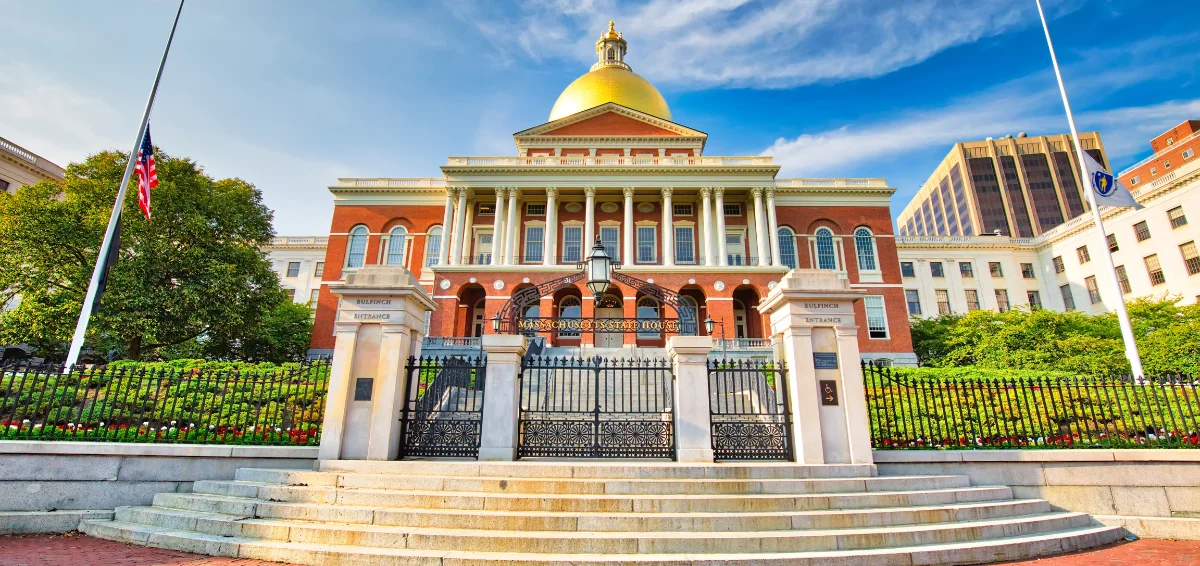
550,238
760,226
379,327
722,250
706,197
627,256
812,314
693,422
773,236
668,229
502,391
513,228
447,228
498,229
467,237
456,236
589,219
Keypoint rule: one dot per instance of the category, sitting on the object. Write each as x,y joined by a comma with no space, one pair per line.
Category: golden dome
610,84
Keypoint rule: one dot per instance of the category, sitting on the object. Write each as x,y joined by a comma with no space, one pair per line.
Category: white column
468,233
701,233
693,428
498,229
447,227
498,441
514,228
751,232
333,426
706,196
722,250
760,225
774,235
589,219
456,238
627,245
550,241
668,231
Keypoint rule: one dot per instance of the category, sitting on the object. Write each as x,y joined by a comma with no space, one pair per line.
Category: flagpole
1131,349
85,312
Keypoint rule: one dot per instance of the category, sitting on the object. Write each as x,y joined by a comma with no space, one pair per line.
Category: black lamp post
599,266
709,325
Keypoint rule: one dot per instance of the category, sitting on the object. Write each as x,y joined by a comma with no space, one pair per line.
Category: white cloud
50,118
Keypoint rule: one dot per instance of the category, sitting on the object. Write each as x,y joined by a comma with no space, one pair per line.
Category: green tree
194,269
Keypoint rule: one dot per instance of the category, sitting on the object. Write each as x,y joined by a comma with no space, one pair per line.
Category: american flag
147,175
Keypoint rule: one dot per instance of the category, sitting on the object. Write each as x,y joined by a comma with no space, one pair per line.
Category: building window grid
1141,231
681,209
1092,289
1154,270
906,269
1035,300
1083,254
1191,259
972,299
936,270
965,269
293,269
685,249
535,209
1027,271
733,209
912,299
864,247
395,251
1112,242
995,269
569,309
487,209
1067,297
1177,217
1188,153
943,301
1002,300
876,316
433,246
319,270
787,247
647,313
646,242
357,250
1123,280
534,238
826,256
610,239
572,243
1059,266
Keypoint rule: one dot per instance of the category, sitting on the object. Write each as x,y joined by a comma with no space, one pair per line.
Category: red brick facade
1169,154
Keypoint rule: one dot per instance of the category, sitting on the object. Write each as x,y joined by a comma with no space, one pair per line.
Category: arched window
688,314
864,248
611,54
531,312
569,311
396,242
433,245
787,247
826,257
357,249
647,313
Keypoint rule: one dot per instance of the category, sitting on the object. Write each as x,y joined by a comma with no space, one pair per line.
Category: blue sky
291,95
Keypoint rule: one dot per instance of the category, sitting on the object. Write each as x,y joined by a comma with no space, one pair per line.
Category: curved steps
643,513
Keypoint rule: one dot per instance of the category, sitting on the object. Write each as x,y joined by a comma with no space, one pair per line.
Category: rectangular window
994,268
1059,267
4,185
533,244
733,210
1112,242
319,270
685,249
1068,299
681,209
935,269
1002,300
906,269
1083,254
876,316
609,238
1027,271
535,209
1141,231
1092,288
1035,300
1188,153
291,293
966,269
1190,258
645,244
483,252
943,301
1123,280
1134,180
293,269
433,247
1177,217
572,244
487,209
912,298
972,299
1155,270
313,296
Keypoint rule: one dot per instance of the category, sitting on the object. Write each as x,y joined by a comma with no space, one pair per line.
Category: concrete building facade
299,261
19,166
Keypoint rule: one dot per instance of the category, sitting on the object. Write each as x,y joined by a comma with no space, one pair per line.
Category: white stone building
299,261
1154,249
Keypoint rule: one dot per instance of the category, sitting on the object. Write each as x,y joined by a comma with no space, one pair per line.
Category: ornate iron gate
443,413
596,408
748,406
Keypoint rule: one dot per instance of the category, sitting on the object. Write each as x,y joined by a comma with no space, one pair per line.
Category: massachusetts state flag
1106,189
146,174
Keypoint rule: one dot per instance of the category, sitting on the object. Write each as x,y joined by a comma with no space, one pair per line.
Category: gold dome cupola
610,80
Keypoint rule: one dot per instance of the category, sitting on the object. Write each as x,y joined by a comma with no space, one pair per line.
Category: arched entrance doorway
611,306
746,322
472,318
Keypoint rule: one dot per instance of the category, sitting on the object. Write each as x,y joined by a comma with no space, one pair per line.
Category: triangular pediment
610,119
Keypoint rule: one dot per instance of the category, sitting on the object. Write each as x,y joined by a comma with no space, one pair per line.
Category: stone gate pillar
379,326
811,315
501,396
693,420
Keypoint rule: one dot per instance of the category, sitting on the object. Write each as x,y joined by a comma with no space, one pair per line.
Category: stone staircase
537,512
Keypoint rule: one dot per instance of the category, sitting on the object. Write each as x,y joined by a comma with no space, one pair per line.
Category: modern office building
1019,187
1154,249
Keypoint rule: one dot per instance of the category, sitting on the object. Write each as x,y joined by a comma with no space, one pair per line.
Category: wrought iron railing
908,412
164,404
450,341
443,413
749,411
743,344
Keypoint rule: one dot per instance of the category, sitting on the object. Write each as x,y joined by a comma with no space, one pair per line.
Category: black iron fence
443,413
283,406
749,410
909,412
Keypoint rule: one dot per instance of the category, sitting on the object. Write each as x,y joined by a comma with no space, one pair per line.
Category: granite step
625,469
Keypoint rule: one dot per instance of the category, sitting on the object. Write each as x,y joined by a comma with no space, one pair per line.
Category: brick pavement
75,549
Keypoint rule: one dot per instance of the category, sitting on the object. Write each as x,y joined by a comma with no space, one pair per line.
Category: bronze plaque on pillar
828,392
362,388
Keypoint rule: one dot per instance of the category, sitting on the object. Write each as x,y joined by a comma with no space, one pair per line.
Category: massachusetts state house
714,233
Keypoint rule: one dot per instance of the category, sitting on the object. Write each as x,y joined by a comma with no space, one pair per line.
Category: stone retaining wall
1152,493
49,486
